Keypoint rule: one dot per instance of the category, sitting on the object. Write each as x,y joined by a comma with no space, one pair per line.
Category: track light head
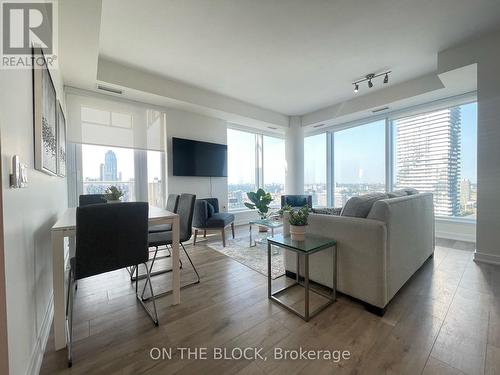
386,78
356,88
370,84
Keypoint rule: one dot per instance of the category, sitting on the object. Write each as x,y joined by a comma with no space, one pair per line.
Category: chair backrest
185,211
296,200
86,199
172,202
110,236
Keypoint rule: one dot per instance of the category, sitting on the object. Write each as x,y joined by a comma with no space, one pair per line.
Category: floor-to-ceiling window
359,161
274,168
432,149
436,152
315,168
241,167
255,161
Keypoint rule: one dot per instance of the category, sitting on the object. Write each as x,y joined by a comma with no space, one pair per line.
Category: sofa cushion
360,206
220,220
397,193
159,228
411,191
327,211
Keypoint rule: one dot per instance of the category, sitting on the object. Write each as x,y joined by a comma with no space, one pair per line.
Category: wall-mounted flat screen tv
195,158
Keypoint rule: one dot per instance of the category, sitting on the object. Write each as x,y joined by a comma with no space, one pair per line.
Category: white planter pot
298,232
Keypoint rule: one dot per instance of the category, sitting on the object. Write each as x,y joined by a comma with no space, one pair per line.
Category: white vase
298,232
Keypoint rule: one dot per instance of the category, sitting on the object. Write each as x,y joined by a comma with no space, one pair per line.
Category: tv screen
195,158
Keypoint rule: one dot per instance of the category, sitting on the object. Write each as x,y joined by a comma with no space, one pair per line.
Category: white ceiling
290,56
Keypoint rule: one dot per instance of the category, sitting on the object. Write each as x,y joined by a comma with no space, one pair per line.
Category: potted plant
260,201
298,223
113,194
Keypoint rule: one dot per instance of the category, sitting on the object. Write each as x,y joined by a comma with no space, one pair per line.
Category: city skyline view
359,155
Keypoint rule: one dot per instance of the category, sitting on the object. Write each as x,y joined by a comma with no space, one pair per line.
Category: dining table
65,227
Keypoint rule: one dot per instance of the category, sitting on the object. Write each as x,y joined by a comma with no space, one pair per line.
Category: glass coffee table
268,223
311,244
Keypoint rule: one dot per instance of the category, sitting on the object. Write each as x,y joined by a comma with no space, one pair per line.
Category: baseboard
39,349
486,258
465,237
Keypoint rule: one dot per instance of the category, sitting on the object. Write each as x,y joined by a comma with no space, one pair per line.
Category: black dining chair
172,203
185,211
109,237
86,199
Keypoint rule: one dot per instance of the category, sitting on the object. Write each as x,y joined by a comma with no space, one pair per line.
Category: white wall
190,125
28,215
486,53
294,156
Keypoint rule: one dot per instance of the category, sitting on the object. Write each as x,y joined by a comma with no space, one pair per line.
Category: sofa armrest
361,249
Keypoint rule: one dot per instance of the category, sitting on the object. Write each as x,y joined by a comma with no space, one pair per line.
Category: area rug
253,257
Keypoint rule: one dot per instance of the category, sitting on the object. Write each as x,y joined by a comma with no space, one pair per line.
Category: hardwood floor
446,320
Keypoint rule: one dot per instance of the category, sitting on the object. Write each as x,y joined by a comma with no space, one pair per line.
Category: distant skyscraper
465,192
428,157
109,169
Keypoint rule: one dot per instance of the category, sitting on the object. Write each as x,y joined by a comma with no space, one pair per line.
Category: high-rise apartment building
109,171
427,156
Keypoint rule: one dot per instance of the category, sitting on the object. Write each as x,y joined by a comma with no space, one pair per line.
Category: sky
241,158
360,152
93,156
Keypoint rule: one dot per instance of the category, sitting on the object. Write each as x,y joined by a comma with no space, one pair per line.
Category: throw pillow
397,193
361,206
210,209
411,191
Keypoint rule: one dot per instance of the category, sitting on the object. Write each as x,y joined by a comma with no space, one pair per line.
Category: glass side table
311,244
268,223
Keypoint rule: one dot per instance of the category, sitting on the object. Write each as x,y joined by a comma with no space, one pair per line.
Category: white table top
68,220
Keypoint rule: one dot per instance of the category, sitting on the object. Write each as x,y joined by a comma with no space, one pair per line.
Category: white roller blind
96,119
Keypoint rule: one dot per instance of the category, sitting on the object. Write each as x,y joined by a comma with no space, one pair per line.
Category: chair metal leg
152,314
192,265
198,279
195,235
232,229
155,257
205,233
223,232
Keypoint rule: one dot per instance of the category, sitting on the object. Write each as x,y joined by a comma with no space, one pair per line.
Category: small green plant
285,208
260,201
299,218
113,193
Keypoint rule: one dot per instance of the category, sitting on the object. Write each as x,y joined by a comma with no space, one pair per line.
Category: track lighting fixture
369,78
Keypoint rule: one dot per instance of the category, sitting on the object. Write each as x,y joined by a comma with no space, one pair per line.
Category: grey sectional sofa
378,253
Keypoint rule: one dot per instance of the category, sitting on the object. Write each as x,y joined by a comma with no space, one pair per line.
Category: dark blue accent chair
296,201
208,217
